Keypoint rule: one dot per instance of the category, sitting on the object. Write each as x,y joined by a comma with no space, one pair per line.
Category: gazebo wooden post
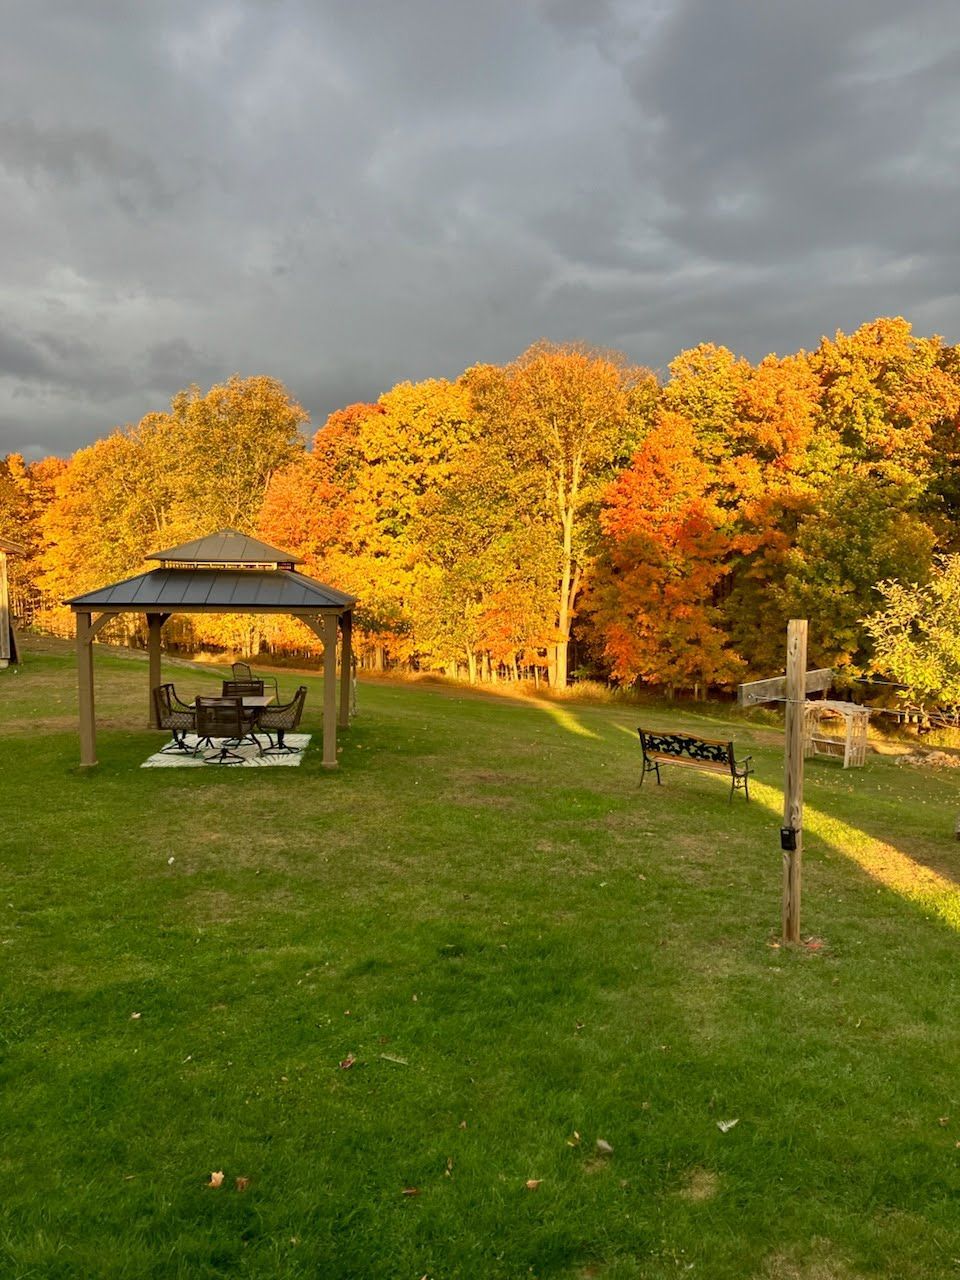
155,623
330,690
346,666
88,730
5,632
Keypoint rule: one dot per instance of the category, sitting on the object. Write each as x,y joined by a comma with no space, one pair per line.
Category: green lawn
517,946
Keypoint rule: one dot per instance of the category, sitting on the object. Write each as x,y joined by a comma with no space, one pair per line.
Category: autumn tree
202,466
26,489
886,395
666,539
365,482
486,546
571,415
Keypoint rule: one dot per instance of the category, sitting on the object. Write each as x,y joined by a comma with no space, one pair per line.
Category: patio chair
281,720
174,715
226,720
242,688
242,671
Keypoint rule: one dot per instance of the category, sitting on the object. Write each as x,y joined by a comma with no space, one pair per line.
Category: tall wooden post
154,624
792,833
5,647
330,691
88,733
346,666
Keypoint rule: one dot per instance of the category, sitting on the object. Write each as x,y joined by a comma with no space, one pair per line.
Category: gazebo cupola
225,572
227,549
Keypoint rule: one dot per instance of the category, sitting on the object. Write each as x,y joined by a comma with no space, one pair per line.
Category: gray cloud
345,195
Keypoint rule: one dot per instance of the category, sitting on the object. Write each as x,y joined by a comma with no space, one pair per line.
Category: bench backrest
709,750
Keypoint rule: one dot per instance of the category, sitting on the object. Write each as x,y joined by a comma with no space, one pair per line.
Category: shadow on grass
892,867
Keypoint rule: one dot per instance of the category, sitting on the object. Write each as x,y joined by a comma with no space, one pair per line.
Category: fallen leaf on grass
347,1062
135,1016
390,1057
943,1121
726,1125
410,1191
604,1148
532,1183
216,1179
241,1183
575,1140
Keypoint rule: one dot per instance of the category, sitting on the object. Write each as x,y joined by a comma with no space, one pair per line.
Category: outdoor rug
251,760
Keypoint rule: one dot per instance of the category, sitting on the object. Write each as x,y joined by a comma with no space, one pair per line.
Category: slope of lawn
521,951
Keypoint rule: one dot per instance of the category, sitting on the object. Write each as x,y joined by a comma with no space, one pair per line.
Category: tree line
667,527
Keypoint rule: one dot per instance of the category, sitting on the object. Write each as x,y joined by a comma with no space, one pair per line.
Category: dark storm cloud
343,194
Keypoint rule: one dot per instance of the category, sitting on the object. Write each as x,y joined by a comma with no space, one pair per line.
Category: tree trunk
472,666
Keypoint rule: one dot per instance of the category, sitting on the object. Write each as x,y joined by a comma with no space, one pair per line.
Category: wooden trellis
837,730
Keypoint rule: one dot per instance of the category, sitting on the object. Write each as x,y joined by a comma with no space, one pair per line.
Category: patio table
252,702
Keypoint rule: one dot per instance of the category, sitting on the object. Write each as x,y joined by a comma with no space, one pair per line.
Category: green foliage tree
860,533
916,633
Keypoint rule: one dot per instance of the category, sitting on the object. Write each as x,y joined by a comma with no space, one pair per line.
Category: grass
517,946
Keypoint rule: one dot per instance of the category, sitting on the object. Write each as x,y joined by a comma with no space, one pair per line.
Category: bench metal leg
650,766
738,779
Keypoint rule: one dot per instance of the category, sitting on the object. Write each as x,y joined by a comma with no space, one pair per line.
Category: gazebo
225,572
8,638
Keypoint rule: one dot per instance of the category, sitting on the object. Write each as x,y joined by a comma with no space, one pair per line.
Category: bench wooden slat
691,764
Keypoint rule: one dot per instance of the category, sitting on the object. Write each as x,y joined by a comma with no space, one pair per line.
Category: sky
344,194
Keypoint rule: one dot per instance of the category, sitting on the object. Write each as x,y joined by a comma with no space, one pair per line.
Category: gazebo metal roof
225,572
226,547
216,591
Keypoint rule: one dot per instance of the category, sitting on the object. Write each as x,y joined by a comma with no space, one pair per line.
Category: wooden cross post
791,835
792,690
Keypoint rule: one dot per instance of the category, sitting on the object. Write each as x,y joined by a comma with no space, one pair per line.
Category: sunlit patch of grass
881,860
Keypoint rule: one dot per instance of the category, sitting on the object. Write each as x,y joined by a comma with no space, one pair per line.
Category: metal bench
695,753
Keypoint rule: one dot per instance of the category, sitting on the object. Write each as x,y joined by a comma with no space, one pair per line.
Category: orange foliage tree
666,539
